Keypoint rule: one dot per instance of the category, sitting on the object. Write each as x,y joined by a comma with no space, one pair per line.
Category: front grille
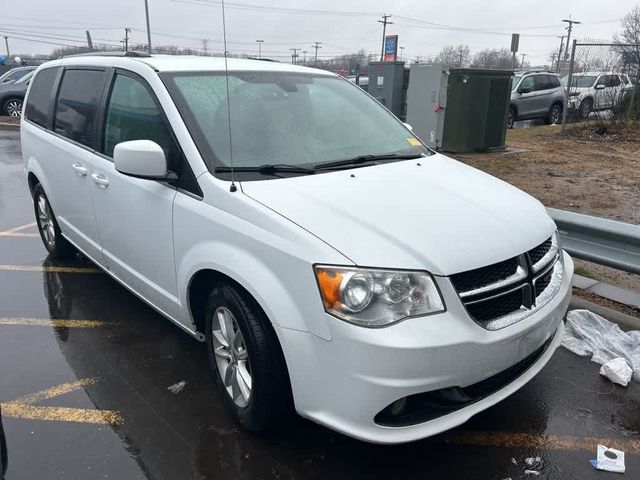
539,252
478,278
496,292
496,307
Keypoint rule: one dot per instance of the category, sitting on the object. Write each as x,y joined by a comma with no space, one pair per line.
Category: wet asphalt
126,355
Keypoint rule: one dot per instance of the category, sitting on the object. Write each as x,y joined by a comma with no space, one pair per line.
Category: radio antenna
226,79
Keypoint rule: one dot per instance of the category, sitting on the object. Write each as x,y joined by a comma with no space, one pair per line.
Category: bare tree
452,56
631,35
499,59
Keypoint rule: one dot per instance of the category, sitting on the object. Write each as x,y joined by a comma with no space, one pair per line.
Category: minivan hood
433,213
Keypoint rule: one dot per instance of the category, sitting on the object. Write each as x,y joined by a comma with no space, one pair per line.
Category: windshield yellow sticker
414,141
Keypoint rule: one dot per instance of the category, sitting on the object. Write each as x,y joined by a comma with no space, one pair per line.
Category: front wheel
511,118
586,107
54,242
13,107
246,360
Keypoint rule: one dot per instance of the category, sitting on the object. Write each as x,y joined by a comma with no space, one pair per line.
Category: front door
135,215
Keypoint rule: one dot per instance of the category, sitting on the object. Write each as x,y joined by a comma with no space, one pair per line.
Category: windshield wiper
366,158
268,169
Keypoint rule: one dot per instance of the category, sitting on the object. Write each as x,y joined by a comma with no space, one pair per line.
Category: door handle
80,169
100,179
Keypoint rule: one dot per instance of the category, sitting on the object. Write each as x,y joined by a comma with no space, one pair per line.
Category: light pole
259,42
523,55
401,53
6,43
146,12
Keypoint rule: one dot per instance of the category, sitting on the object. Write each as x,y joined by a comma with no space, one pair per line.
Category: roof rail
133,54
536,70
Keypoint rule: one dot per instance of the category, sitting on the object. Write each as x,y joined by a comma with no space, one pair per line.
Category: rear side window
554,82
38,104
542,82
77,105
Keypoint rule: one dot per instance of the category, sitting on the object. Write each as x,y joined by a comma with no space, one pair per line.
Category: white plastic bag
618,371
589,334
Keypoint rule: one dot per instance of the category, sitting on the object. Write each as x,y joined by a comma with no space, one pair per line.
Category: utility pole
559,61
259,42
146,12
294,55
460,61
304,57
569,83
385,21
89,41
569,30
6,43
205,46
522,64
126,39
316,45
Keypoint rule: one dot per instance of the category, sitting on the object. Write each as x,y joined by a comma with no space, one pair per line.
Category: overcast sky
342,26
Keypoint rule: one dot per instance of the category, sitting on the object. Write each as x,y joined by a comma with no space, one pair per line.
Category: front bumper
344,383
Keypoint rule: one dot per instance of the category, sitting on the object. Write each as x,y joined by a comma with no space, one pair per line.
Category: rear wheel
246,359
511,118
586,107
555,115
54,242
13,107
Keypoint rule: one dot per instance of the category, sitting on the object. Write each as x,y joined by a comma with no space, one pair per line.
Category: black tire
270,393
586,107
555,114
511,117
52,238
12,107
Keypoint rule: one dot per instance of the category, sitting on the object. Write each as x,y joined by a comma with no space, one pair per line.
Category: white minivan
331,262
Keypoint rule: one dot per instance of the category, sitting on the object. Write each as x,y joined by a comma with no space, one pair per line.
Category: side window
541,82
77,105
614,81
39,100
527,83
554,82
132,114
602,80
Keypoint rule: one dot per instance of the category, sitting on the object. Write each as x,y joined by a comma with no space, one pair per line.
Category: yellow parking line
552,442
25,407
51,269
20,234
17,229
52,322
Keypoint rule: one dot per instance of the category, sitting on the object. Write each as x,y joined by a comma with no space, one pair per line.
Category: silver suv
536,94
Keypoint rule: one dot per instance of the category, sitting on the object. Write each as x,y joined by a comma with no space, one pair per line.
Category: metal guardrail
605,242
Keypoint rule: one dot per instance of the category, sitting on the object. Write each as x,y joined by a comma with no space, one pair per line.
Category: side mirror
408,126
140,158
600,86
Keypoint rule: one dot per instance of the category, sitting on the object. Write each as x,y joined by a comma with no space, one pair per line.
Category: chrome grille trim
521,274
548,258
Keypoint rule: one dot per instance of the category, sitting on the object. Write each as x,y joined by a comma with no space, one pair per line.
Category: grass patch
585,272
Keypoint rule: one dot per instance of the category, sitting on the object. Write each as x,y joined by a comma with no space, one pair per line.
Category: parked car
536,95
12,96
597,91
329,260
15,74
4,458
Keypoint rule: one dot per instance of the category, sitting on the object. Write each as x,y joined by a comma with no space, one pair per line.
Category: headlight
375,298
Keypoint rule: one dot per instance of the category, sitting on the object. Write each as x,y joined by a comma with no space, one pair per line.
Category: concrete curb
611,292
9,126
626,322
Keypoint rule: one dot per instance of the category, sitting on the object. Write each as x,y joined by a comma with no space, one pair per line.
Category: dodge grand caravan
330,261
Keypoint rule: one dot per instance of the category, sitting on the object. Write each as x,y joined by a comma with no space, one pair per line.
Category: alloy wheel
231,356
555,114
14,108
45,221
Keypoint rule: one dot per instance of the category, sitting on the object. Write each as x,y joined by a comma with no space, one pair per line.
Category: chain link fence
602,87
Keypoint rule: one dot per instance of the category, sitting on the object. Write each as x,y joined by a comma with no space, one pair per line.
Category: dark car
12,96
3,449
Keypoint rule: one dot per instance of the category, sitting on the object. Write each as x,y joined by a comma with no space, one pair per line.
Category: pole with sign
515,43
390,48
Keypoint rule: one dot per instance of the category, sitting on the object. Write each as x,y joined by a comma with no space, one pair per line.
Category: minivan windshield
286,119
